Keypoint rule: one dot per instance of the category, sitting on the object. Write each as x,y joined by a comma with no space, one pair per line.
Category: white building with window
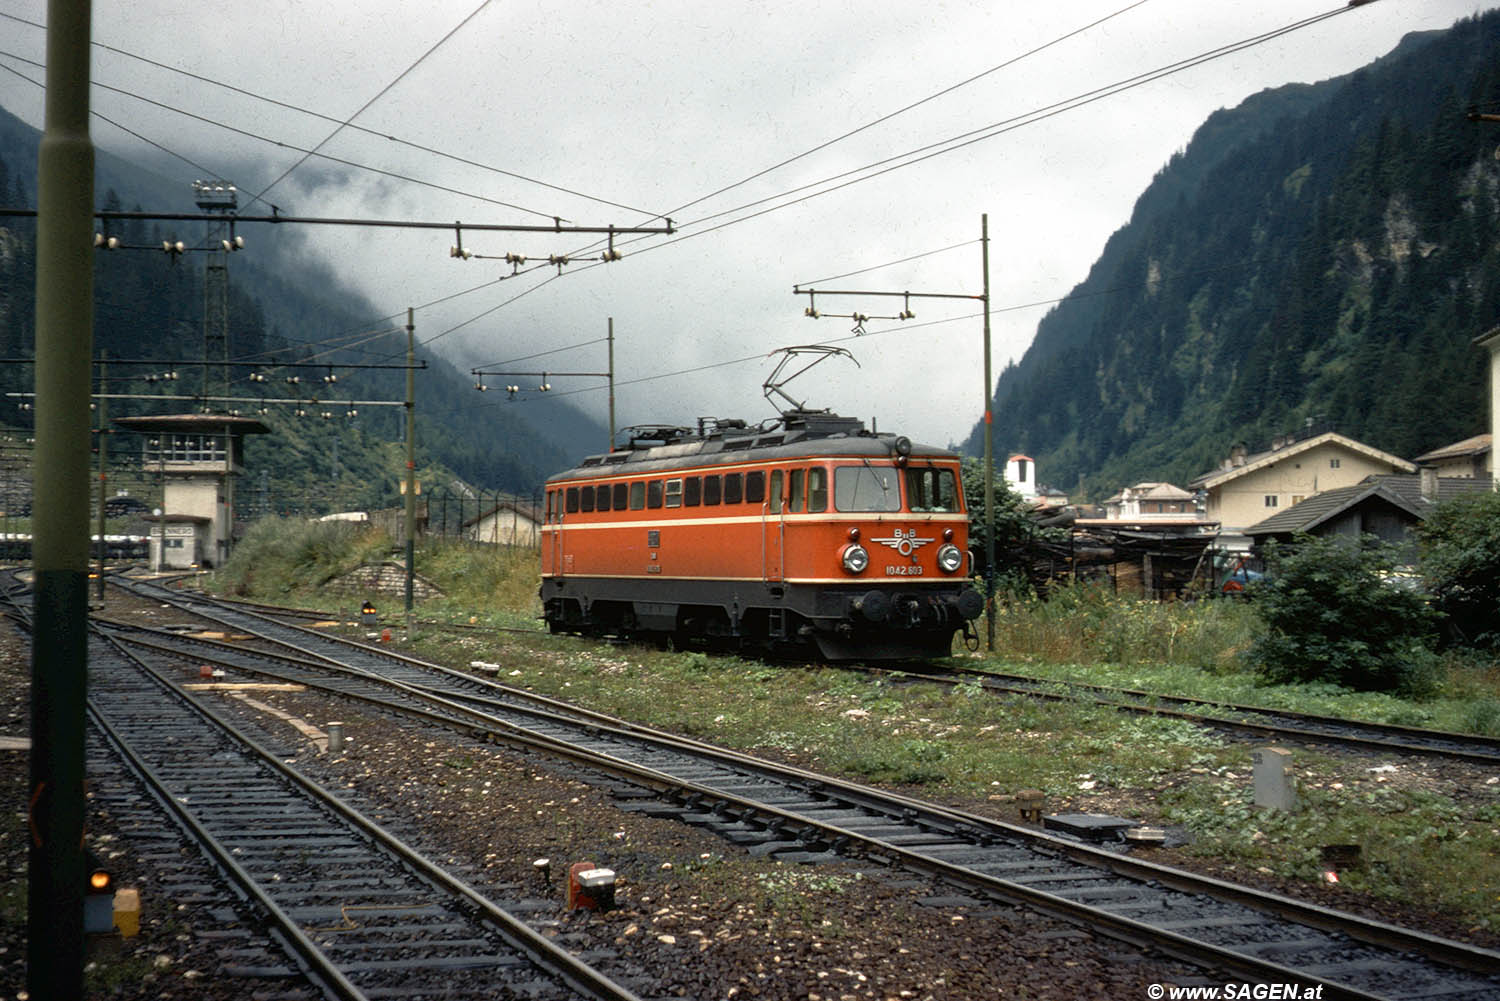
1248,488
1020,473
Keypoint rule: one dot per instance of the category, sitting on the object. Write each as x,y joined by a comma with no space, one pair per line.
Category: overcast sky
613,114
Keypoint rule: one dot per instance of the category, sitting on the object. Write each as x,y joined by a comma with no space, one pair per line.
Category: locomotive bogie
841,545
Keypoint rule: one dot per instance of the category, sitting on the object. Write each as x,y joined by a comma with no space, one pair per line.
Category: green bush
1334,613
1461,567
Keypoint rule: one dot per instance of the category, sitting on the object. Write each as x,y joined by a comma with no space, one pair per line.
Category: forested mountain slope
1322,253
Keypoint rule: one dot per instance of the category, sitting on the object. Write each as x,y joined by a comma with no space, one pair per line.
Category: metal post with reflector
98,899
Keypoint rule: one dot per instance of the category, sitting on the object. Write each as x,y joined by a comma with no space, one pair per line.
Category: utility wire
383,91
543,354
888,264
348,124
848,178
901,111
279,143
921,154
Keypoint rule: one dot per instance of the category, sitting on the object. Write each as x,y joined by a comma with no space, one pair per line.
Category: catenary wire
965,139
371,102
901,111
246,133
419,147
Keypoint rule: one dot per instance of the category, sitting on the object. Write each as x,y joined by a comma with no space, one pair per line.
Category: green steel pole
60,514
989,448
611,384
103,475
411,460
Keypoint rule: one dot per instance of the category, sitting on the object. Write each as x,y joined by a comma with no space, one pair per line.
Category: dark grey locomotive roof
796,434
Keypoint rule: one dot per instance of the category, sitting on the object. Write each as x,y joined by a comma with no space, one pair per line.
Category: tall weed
1088,624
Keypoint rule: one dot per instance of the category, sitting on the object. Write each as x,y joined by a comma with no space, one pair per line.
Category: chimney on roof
1429,480
1237,456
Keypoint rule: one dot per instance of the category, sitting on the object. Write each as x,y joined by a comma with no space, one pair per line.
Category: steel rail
540,950
1385,936
1315,728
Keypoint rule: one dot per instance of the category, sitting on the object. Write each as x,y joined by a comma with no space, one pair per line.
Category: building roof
1401,492
527,511
1329,504
179,519
1261,460
1475,446
1160,491
1448,487
193,424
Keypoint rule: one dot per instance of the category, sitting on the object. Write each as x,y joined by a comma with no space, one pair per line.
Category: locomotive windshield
865,488
931,490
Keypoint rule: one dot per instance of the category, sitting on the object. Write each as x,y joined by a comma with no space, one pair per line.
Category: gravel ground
702,917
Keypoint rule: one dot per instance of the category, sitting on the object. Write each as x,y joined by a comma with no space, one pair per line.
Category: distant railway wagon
812,534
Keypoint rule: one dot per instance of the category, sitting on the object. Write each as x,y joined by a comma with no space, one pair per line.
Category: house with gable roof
1248,488
1469,459
1386,506
1152,502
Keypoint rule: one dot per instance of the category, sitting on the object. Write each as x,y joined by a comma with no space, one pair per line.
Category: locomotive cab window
931,489
866,488
637,495
674,493
776,496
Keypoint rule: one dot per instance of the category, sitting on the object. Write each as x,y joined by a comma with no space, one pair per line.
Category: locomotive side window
794,483
931,490
755,487
776,499
734,488
817,490
602,502
586,499
653,494
866,488
572,500
637,495
692,491
622,494
711,488
548,516
674,493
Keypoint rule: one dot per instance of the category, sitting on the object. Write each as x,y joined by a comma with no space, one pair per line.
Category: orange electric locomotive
809,533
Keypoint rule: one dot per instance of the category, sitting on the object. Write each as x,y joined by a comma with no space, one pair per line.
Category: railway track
798,816
1247,721
1254,722
340,900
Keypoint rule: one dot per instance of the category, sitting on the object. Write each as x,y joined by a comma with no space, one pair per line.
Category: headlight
855,559
950,557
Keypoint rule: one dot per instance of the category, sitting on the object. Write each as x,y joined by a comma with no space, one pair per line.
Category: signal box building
195,458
